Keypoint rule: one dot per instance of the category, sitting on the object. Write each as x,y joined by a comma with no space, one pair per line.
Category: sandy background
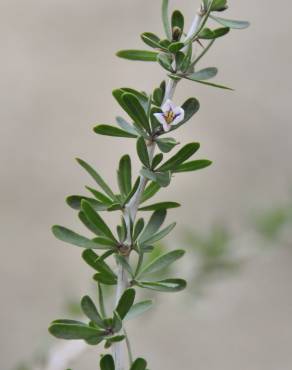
57,72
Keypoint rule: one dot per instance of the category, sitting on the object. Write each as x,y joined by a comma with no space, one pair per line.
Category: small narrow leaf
125,175
182,155
138,55
193,166
162,262
69,236
143,152
107,363
74,331
90,310
166,144
150,191
139,364
240,25
158,236
165,21
74,201
136,110
159,206
138,309
151,39
125,303
112,131
154,224
203,74
97,178
167,285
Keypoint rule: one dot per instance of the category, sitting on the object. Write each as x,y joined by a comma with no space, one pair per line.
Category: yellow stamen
169,116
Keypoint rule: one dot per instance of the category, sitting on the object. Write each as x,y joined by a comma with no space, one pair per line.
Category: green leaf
162,262
126,126
74,201
161,205
151,39
208,34
94,217
182,155
158,96
154,224
69,236
135,111
107,363
166,144
112,131
167,285
125,175
203,74
133,191
74,331
193,165
139,55
124,262
143,152
100,196
104,279
139,364
96,262
158,236
162,178
150,191
239,25
177,20
99,180
219,5
158,158
209,84
165,61
125,303
138,309
165,20
139,226
90,310
141,96
175,47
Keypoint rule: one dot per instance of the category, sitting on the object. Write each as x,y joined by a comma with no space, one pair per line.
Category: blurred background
58,69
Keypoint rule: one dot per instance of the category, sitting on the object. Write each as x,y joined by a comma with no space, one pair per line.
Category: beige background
57,72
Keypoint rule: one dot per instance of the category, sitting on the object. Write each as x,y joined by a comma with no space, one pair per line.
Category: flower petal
168,106
179,116
166,127
160,118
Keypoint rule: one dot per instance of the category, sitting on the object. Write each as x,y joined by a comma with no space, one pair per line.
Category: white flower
170,116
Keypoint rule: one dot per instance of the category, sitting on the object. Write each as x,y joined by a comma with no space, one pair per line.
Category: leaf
126,126
239,25
150,191
112,131
182,155
151,39
97,178
90,225
139,364
165,20
162,178
167,285
74,331
158,158
207,34
69,236
100,196
90,310
96,262
219,5
133,191
104,279
158,96
161,205
125,175
203,74
138,309
209,84
193,166
162,262
158,236
165,61
94,217
138,55
175,47
124,262
74,201
143,152
125,303
154,224
166,144
177,20
139,226
107,363
135,111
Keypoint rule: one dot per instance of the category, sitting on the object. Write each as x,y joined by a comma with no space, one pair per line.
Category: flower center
169,116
